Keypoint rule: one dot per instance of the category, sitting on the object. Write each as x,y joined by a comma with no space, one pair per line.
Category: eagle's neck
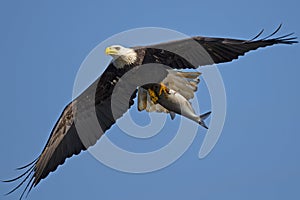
126,59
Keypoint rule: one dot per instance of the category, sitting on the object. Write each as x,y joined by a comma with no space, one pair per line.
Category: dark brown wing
80,125
87,118
200,51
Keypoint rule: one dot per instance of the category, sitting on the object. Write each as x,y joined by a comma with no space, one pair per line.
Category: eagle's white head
121,55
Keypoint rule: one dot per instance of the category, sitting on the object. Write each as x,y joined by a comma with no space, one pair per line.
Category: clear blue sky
257,157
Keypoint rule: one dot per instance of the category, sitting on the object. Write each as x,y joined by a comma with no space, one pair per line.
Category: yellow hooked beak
110,51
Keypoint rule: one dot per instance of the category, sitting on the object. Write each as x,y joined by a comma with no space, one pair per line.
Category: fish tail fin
203,117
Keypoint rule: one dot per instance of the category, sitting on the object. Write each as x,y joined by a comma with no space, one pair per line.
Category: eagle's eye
117,48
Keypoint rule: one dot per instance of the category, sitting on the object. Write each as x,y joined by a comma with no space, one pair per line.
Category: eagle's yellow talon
162,89
153,96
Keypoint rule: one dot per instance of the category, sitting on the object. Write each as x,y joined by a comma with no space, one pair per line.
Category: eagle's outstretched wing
74,130
200,51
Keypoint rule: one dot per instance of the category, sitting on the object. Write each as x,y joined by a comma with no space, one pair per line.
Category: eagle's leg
163,89
153,96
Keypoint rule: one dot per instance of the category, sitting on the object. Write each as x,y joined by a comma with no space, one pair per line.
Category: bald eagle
65,140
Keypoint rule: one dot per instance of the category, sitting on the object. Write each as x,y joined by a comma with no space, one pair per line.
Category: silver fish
186,83
174,102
